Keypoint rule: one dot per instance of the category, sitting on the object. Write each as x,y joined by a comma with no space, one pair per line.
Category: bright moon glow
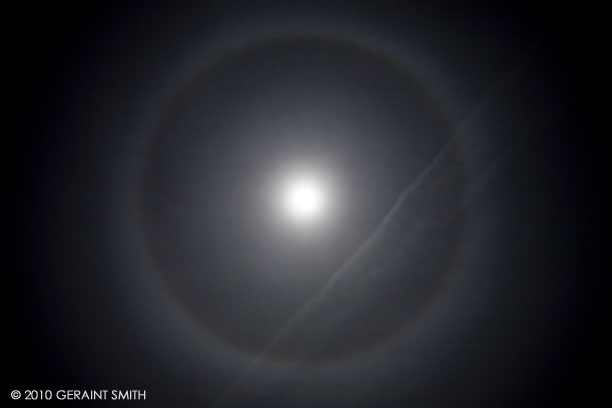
304,199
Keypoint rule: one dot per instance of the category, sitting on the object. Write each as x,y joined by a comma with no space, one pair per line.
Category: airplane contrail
461,137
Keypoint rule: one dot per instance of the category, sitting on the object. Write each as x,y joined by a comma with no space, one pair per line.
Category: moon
305,199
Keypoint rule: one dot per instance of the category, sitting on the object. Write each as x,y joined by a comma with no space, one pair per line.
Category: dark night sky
463,259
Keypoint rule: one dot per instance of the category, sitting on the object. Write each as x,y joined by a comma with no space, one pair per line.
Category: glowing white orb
305,199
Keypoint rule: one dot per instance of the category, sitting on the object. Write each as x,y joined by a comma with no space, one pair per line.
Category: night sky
460,256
